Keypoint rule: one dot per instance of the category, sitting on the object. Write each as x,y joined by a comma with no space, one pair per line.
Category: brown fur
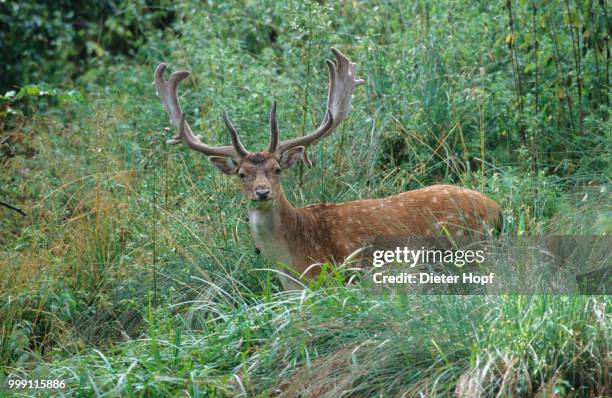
322,232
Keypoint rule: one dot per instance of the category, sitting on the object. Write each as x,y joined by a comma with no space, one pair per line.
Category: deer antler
166,90
272,146
342,82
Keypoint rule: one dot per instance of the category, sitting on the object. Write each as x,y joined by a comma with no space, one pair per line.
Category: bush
53,41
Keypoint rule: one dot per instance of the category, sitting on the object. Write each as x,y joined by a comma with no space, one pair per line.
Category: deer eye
241,176
277,171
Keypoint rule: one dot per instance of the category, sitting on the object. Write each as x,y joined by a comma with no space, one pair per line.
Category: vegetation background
133,273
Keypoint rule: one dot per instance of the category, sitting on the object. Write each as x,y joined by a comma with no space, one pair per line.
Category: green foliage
29,99
346,342
52,41
134,273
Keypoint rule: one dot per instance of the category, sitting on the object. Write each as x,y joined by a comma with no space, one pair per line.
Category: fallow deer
300,237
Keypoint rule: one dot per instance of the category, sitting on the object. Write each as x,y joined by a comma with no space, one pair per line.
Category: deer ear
226,165
290,156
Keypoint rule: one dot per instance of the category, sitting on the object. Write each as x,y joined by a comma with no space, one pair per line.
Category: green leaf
530,66
29,91
70,96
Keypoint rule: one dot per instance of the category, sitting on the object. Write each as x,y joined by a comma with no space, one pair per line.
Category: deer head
260,171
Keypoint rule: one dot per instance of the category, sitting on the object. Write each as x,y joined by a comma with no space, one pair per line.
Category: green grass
134,273
344,342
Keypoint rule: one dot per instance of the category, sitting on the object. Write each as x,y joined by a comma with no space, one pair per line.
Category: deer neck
276,232
271,227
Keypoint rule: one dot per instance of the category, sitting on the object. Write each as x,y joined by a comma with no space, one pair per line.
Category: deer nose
262,193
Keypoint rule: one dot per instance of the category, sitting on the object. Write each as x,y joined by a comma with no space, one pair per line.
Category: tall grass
345,342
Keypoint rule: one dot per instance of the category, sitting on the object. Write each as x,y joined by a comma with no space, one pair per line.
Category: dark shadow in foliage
51,40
